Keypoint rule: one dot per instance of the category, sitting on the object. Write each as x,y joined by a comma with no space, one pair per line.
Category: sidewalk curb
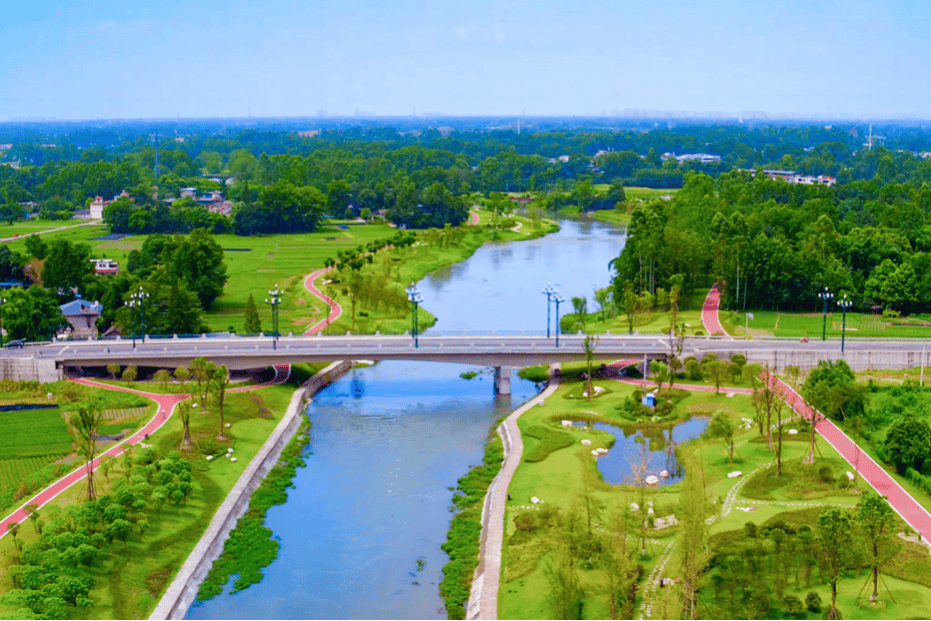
179,595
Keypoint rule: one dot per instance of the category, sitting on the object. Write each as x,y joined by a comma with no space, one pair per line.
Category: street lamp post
137,301
2,302
558,299
132,313
549,292
415,298
274,300
844,304
826,296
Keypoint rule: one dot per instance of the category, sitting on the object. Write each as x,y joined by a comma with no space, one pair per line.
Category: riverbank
183,589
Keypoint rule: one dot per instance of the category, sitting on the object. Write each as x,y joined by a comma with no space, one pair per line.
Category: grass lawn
655,322
129,579
811,325
34,226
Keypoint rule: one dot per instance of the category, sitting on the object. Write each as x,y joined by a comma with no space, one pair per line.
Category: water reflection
624,458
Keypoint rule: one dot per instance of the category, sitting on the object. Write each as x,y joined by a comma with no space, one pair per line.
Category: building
82,317
105,266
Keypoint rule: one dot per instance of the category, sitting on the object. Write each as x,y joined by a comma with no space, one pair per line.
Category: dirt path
335,310
166,405
709,313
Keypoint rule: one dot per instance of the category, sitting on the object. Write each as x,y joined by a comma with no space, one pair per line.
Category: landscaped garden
729,539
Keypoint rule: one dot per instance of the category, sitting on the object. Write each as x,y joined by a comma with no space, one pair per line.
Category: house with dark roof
82,317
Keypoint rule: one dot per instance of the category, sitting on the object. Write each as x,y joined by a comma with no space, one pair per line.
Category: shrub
813,602
825,474
793,605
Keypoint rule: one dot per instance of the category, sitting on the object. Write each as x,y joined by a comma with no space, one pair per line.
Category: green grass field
34,226
811,325
34,433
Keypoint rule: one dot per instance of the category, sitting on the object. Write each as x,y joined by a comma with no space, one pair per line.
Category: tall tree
588,346
694,536
252,323
836,545
219,382
876,520
66,268
85,423
202,371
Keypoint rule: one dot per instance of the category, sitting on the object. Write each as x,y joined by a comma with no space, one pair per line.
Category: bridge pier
502,380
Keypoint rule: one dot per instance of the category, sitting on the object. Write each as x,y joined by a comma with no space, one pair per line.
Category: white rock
209,457
595,452
567,423
232,459
851,476
229,450
599,390
534,500
651,480
664,474
227,425
634,507
650,511
735,473
586,442
793,432
585,394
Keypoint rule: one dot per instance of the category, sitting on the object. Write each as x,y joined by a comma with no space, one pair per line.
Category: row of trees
768,244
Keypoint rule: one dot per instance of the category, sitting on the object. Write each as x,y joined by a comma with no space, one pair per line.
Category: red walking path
166,405
335,310
900,500
709,313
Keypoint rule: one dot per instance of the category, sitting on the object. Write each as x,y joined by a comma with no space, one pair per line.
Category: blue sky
164,58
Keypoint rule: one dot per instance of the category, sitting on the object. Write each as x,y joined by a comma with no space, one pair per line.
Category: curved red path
900,500
335,309
709,313
473,218
166,405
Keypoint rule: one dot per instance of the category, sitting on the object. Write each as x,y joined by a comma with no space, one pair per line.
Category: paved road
166,404
335,310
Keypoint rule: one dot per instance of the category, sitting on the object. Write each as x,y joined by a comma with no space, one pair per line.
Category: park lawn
614,216
811,325
129,582
35,226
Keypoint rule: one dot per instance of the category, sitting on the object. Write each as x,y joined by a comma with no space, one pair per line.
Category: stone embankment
183,589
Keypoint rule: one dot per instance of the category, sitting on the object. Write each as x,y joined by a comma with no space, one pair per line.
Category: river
389,442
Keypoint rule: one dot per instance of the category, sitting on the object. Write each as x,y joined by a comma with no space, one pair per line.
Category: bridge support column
502,380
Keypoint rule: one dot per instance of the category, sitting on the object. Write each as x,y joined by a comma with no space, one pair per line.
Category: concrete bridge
46,362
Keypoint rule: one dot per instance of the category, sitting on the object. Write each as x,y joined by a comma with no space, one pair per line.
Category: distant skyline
103,59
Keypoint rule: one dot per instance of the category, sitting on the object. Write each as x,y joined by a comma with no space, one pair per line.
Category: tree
219,382
830,388
694,509
162,376
252,323
198,260
717,371
113,368
129,373
33,314
565,590
37,247
723,426
835,538
184,412
85,423
876,520
66,268
202,371
603,298
580,305
907,444
11,263
589,345
660,372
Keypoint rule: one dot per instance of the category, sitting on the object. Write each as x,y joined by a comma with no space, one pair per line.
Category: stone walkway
483,601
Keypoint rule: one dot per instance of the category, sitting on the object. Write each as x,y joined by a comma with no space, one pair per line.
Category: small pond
617,465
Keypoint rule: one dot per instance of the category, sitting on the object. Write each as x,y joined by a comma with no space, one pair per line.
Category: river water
389,441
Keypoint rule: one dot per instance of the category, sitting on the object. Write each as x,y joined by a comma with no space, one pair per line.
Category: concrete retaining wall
181,592
25,368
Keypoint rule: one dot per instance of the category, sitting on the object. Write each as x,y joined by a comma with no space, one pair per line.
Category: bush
813,602
793,605
825,473
538,374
